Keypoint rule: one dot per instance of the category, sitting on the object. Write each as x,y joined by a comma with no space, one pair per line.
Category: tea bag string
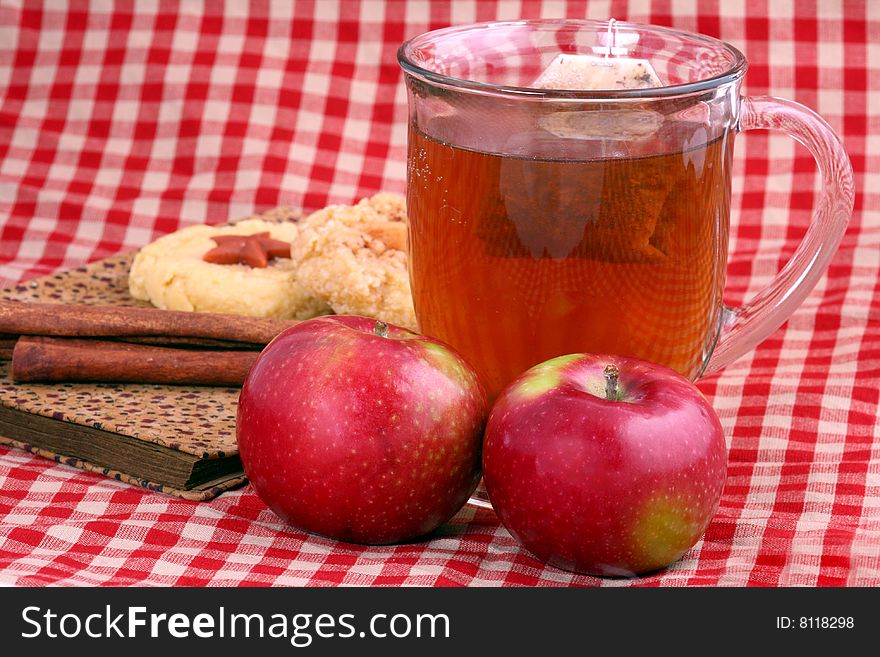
611,38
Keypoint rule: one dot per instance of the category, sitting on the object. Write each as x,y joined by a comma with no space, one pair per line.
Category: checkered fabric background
120,124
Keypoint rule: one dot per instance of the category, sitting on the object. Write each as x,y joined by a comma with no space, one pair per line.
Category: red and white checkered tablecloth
120,123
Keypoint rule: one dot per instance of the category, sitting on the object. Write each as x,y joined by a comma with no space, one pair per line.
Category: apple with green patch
604,465
360,430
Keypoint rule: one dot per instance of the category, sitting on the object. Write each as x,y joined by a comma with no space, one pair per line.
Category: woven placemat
198,420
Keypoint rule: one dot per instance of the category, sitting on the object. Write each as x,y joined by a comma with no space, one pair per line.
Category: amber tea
516,259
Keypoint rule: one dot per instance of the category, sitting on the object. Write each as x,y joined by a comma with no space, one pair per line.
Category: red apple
361,431
604,465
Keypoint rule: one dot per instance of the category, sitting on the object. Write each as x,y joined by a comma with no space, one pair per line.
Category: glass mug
545,222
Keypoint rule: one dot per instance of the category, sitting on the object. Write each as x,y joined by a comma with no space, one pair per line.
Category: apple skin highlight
610,487
361,431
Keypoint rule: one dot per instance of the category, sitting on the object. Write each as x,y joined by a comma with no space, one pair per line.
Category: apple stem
381,329
611,374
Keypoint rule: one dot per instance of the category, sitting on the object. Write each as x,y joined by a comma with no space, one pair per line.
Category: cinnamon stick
184,342
7,345
46,359
76,320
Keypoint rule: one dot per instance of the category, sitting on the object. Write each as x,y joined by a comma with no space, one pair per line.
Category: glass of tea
569,191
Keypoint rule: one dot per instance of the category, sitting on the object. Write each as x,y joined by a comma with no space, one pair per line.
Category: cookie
353,258
172,274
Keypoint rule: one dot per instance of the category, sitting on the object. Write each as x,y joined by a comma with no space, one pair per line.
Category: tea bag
603,209
590,72
609,211
611,125
576,72
608,68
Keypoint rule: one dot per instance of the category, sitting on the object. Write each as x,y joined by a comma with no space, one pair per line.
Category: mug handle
743,328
